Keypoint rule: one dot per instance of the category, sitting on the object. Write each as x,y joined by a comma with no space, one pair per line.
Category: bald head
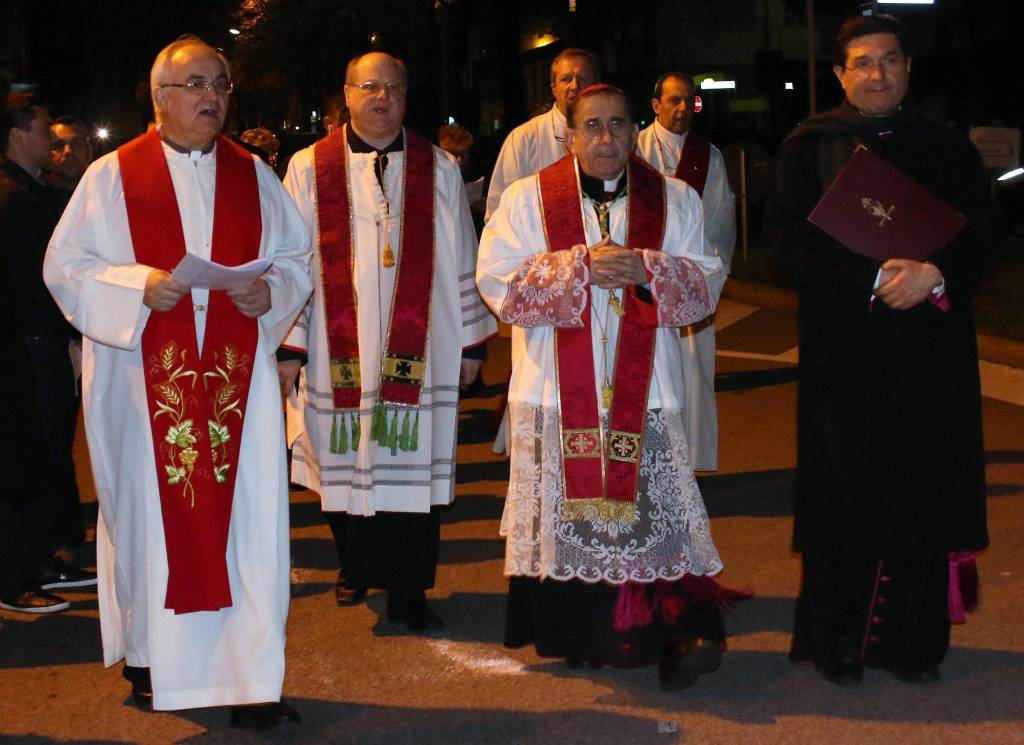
375,85
352,76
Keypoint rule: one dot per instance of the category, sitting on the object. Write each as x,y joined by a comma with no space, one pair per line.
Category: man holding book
890,473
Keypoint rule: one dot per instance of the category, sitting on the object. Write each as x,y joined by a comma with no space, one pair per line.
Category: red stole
694,161
196,402
404,362
602,473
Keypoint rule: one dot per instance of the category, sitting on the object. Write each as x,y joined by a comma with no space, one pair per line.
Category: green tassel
403,439
377,427
355,432
393,434
343,436
415,439
333,442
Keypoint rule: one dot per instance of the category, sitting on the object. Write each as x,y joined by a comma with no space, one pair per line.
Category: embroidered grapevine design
181,455
224,403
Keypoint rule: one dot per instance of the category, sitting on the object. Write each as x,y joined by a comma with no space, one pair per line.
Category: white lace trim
549,290
672,537
679,287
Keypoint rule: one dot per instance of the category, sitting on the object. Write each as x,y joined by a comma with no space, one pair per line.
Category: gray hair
577,53
162,63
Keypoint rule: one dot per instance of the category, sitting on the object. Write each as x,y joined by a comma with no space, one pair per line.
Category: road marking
469,659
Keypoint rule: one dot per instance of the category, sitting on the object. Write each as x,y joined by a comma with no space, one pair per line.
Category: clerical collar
603,191
187,150
667,134
358,145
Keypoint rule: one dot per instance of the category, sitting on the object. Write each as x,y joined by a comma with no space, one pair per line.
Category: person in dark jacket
890,472
29,211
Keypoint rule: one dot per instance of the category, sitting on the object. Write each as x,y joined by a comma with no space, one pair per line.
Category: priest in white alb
598,260
536,144
672,147
540,141
181,398
394,307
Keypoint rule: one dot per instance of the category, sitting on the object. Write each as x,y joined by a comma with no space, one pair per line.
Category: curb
990,348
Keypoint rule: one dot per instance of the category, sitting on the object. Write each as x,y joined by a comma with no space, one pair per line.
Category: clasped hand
905,283
613,266
163,292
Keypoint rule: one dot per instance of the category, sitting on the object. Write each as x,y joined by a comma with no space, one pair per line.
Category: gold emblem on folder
876,209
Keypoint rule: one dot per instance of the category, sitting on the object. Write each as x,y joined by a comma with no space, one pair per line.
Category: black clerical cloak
890,454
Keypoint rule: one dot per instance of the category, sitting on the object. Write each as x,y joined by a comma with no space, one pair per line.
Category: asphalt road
356,679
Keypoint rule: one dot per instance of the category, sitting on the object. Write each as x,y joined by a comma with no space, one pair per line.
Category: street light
102,133
1011,174
234,31
710,84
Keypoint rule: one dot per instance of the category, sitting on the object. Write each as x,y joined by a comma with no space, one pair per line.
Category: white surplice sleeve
90,266
286,240
521,281
719,210
299,183
685,276
478,323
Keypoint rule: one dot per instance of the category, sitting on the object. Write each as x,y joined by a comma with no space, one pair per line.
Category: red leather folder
875,209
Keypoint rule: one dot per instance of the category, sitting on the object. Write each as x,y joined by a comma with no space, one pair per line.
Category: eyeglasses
595,128
888,63
198,86
370,88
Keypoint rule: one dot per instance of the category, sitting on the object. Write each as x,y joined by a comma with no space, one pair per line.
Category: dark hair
576,52
597,89
19,109
659,85
70,120
854,28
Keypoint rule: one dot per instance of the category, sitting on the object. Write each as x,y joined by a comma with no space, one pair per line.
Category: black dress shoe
349,596
263,716
142,686
700,656
575,663
34,601
411,609
419,617
670,676
843,674
60,576
916,674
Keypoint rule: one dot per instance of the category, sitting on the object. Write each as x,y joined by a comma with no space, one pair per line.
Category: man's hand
162,292
288,373
469,371
613,267
252,301
907,283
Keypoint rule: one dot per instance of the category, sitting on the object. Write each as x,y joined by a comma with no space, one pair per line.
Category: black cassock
890,469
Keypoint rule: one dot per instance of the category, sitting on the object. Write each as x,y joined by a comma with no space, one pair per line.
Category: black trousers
59,403
394,551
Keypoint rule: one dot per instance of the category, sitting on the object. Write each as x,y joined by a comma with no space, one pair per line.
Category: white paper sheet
475,190
202,274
